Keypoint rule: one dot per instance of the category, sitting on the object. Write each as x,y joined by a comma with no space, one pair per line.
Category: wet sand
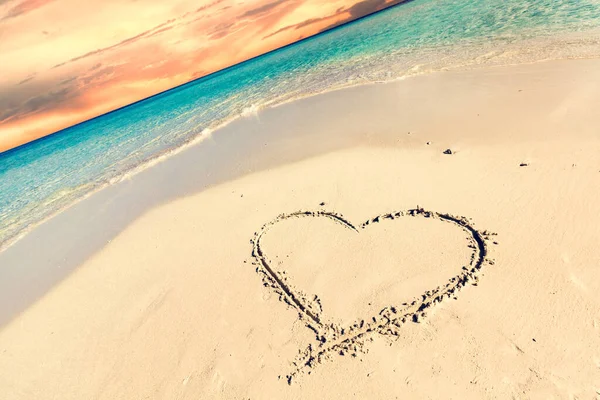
156,288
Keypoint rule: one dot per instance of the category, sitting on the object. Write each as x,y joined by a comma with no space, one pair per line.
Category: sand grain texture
173,307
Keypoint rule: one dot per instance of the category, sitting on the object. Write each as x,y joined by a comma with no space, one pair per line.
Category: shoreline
232,132
163,260
552,42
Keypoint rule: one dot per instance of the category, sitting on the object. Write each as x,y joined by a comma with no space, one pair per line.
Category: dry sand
199,299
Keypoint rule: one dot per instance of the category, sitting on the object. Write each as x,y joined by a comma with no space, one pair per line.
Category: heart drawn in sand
332,338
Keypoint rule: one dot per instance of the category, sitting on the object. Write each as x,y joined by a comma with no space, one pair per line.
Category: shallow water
421,36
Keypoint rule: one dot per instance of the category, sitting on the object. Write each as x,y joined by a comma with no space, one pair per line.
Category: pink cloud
48,86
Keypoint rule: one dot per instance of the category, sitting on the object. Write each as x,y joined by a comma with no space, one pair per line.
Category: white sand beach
166,300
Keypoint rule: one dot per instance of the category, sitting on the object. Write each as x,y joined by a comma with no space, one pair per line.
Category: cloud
68,80
30,77
353,12
81,92
43,101
98,75
188,41
23,8
267,21
221,30
200,10
37,104
262,9
263,18
49,95
365,7
301,25
146,34
210,5
158,29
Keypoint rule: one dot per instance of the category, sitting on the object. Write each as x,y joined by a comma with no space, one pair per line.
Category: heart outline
332,338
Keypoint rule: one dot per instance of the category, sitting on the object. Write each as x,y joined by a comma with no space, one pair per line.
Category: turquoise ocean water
42,178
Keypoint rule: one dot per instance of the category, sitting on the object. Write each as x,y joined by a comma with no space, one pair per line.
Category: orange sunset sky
65,61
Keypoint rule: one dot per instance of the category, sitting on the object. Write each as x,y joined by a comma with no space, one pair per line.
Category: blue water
43,177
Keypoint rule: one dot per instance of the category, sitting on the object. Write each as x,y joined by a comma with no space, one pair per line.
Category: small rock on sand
448,151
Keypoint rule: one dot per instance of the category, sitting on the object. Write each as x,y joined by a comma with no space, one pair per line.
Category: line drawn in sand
332,339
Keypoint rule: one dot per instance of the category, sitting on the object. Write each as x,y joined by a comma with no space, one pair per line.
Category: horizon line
166,91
